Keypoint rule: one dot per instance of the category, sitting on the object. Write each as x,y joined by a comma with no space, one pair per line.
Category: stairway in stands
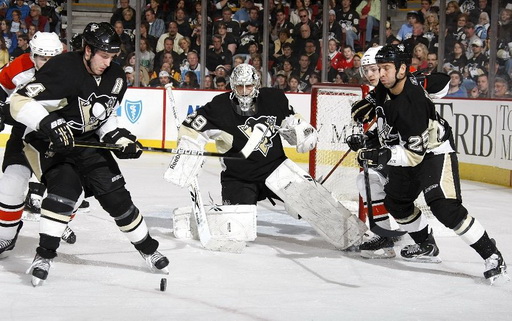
85,11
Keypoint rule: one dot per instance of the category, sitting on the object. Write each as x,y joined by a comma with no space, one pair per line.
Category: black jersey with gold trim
64,86
219,120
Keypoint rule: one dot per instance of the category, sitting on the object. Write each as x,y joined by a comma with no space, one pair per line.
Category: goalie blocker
315,204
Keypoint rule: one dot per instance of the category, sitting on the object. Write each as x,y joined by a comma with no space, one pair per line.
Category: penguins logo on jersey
270,122
94,111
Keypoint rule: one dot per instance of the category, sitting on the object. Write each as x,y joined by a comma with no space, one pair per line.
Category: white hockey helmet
45,44
369,68
245,75
369,56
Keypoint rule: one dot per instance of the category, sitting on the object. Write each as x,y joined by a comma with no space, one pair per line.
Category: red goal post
330,113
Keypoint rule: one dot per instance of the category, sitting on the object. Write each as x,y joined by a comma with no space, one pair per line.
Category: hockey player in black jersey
74,97
417,144
229,119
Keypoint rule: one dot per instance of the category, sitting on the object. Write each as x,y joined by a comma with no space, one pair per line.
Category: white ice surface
288,273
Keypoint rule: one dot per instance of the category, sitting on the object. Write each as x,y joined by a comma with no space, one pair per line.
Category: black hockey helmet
396,54
102,36
77,42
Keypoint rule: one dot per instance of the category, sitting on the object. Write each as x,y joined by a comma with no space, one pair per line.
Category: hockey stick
205,237
102,145
373,226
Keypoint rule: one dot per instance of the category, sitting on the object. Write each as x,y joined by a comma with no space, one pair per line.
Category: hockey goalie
230,119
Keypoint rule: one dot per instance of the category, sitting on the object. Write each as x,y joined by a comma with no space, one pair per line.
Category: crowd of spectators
171,30
20,20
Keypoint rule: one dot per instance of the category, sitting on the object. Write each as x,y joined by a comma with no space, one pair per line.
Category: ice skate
425,252
378,247
69,236
39,270
495,267
33,203
8,245
156,262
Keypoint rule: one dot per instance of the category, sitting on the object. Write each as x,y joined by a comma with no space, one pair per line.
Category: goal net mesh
330,113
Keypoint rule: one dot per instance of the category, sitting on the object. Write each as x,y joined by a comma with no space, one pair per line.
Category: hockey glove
60,134
356,141
363,111
374,157
120,136
296,131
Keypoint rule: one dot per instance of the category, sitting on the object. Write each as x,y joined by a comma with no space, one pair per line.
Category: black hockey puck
163,284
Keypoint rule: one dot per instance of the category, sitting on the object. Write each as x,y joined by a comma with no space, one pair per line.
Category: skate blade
36,281
379,254
424,259
165,270
4,255
499,278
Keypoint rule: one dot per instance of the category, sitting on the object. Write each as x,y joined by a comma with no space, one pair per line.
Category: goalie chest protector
220,114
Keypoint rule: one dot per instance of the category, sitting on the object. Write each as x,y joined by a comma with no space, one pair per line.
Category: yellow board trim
479,173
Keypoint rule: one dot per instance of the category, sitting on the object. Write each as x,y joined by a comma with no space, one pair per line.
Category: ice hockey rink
287,273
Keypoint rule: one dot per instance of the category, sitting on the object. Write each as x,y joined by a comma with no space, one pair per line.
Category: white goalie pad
234,222
315,205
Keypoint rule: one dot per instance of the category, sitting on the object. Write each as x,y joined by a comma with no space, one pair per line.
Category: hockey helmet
102,36
245,75
369,56
77,42
45,44
396,54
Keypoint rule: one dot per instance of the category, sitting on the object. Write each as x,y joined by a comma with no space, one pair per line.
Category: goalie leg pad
316,205
234,222
184,168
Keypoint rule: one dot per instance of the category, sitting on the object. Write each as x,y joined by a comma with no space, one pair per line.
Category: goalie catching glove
374,156
296,131
120,136
58,131
184,168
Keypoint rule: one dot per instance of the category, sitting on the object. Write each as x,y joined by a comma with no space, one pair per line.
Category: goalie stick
206,238
242,154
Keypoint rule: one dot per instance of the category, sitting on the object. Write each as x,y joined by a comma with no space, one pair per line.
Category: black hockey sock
485,246
148,246
48,246
420,236
36,188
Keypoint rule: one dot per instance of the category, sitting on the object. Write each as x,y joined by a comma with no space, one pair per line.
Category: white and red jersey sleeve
17,72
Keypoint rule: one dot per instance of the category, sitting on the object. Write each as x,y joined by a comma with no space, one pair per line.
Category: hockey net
330,113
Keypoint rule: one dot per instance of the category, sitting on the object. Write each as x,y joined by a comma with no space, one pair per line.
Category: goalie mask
44,44
245,83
